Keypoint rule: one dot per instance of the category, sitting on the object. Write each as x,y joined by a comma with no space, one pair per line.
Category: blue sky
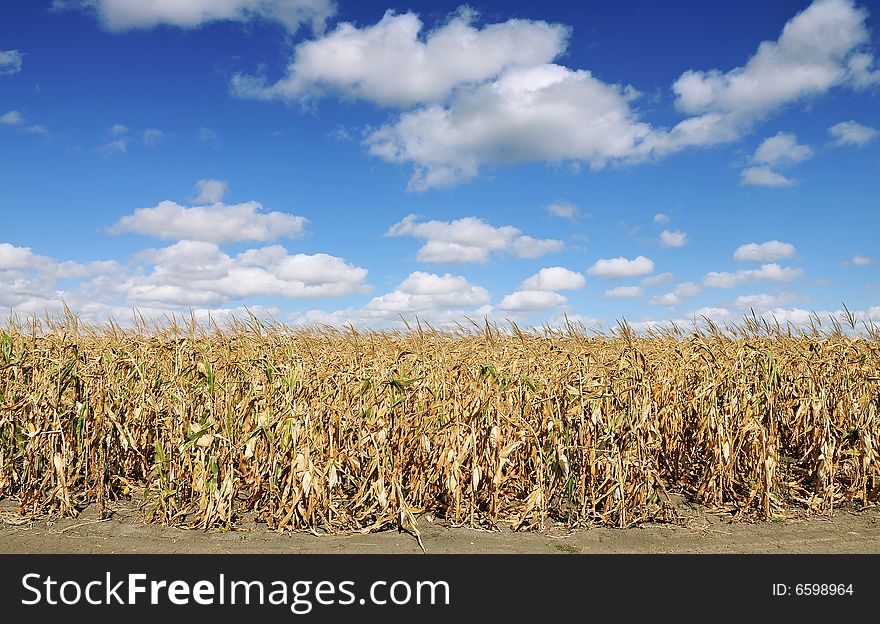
342,162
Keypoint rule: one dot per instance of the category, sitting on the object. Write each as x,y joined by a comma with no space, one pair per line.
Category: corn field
334,431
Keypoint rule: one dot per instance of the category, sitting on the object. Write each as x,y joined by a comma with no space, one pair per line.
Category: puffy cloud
764,252
10,62
37,129
531,300
118,129
218,223
197,273
678,294
661,219
12,118
766,273
782,149
658,280
624,292
444,299
152,137
208,137
117,146
390,63
469,240
541,113
424,292
211,191
29,281
673,238
811,56
563,209
852,133
554,278
763,301
764,176
616,268
862,260
129,14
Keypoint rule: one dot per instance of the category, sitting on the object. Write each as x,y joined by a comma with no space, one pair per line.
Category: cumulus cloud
545,113
12,118
764,252
763,301
813,54
152,137
424,292
111,148
661,219
677,295
616,268
673,238
624,292
852,133
10,62
554,278
119,15
198,273
766,273
392,63
211,191
764,176
782,149
563,209
436,298
217,223
531,301
862,260
658,280
469,239
29,281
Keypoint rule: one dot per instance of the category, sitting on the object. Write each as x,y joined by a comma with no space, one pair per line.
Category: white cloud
673,238
152,137
658,280
616,268
424,292
624,292
764,252
469,240
862,260
117,146
767,273
810,57
852,133
12,118
196,273
554,278
218,223
763,301
389,63
782,149
209,137
678,294
436,298
661,219
10,62
119,15
211,191
37,129
531,300
764,176
118,129
542,113
563,209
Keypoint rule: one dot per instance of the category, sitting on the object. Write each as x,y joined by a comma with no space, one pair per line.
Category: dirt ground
698,531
